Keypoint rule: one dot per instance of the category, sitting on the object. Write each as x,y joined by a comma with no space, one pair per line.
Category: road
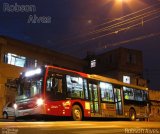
80,127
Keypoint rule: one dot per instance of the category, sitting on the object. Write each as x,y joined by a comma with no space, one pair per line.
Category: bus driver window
54,86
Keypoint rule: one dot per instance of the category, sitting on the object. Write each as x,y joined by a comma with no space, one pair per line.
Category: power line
128,21
132,40
126,28
116,32
141,18
130,14
150,35
122,22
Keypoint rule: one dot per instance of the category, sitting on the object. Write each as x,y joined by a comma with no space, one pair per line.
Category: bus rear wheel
132,114
77,113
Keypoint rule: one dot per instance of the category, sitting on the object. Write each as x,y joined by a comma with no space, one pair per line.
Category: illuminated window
134,94
138,95
19,61
93,63
106,92
126,79
54,86
30,87
75,86
85,88
128,93
14,59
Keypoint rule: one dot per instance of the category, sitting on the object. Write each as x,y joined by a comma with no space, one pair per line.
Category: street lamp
122,1
118,5
131,4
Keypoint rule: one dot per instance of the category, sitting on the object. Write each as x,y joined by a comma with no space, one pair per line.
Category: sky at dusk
76,27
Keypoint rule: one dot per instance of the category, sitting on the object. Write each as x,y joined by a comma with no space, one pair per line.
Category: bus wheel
132,114
76,113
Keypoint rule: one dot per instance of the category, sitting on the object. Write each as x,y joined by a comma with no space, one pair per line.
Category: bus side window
128,93
75,86
49,84
85,88
55,87
58,85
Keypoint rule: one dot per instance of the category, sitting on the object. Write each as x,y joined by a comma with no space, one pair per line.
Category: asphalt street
80,127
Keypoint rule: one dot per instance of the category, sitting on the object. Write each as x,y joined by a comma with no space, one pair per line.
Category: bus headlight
40,102
15,106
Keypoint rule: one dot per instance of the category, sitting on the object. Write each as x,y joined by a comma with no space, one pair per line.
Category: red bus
55,91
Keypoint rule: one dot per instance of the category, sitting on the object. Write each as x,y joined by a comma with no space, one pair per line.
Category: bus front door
93,92
118,101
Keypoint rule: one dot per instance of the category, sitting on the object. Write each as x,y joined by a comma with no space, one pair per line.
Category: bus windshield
30,87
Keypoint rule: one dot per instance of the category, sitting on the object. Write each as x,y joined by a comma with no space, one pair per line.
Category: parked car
8,110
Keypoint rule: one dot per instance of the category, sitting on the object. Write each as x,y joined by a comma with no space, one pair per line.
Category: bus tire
77,113
132,114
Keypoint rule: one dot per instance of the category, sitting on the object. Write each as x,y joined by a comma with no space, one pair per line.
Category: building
122,64
17,56
154,97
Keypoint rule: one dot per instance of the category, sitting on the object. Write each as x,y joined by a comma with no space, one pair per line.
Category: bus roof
68,70
100,78
114,81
